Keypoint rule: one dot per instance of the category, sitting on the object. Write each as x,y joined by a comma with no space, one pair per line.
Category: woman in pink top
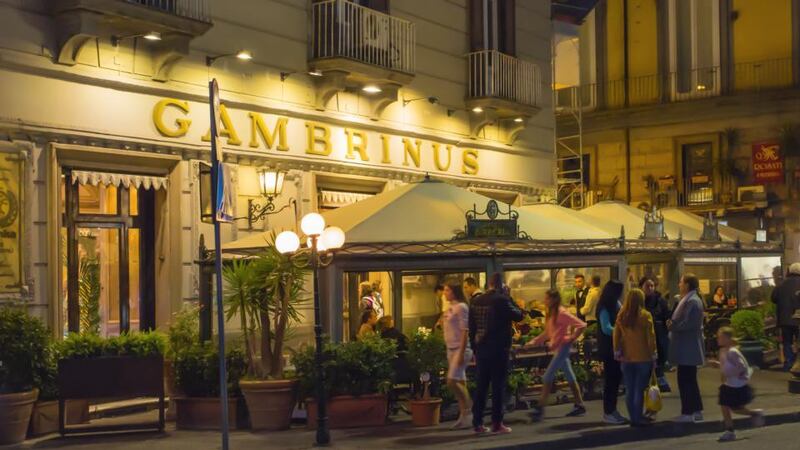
561,330
455,322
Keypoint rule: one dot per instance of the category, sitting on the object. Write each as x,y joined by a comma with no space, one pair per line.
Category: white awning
85,177
337,199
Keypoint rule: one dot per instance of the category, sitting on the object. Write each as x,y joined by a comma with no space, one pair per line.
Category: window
337,191
493,25
714,275
759,275
377,5
694,47
698,170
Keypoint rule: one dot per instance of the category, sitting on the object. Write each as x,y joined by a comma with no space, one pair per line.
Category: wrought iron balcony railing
192,9
492,74
342,29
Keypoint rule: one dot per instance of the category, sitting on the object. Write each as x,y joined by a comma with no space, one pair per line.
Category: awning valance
337,199
85,177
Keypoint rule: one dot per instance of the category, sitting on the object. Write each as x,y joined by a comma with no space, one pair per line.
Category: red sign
767,162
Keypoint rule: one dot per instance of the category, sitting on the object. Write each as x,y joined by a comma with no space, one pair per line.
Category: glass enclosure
661,272
760,274
716,275
529,286
360,287
422,305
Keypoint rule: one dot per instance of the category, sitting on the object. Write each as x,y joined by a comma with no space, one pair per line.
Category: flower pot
15,414
425,413
351,412
753,351
44,418
270,403
202,413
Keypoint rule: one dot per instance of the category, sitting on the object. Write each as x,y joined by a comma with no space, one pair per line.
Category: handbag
652,396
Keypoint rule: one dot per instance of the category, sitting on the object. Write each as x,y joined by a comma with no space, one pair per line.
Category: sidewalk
555,431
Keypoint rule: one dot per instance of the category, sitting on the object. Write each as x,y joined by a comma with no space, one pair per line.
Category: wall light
432,100
243,55
519,120
371,89
151,36
315,72
285,75
477,110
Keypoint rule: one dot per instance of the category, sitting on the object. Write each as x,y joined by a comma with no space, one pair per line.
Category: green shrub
352,368
197,370
184,330
427,352
81,346
748,324
24,351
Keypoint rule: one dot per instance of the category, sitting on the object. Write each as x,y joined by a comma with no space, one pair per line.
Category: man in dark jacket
785,296
581,291
490,332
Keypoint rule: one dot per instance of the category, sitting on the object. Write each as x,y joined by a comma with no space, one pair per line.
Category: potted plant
23,360
264,293
749,328
427,357
358,375
197,378
183,332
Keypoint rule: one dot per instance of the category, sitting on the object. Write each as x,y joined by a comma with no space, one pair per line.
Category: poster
10,278
767,163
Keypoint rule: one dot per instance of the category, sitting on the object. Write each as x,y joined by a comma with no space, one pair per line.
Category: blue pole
215,193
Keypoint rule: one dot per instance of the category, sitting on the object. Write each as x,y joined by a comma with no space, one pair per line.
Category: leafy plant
427,353
518,380
265,293
184,330
89,294
352,368
82,346
748,324
197,370
24,351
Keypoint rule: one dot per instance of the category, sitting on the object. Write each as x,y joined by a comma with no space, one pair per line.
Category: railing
193,9
496,75
342,29
676,86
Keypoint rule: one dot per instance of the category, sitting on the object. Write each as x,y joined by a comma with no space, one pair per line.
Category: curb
660,430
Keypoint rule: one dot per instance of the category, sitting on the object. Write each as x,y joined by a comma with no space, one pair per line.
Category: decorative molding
328,85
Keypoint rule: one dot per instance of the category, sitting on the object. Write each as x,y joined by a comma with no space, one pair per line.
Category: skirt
735,397
457,371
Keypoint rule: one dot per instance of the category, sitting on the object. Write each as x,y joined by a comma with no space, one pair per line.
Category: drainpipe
625,75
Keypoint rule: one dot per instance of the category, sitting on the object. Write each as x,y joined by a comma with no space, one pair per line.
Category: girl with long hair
455,323
607,309
561,330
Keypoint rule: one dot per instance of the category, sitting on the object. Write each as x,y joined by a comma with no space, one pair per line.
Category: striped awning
337,199
93,178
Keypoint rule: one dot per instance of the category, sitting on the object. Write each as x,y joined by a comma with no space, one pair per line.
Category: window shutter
507,27
475,12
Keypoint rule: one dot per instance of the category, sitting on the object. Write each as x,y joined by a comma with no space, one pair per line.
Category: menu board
10,174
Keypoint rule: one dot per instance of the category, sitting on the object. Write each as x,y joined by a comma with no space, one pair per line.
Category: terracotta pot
170,388
351,412
15,414
44,418
199,413
425,413
270,403
77,411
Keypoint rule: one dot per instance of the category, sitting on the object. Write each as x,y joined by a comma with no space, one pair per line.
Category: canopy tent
607,228
429,211
690,220
633,220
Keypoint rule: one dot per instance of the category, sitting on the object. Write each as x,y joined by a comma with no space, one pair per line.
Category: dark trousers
492,368
612,375
691,402
788,336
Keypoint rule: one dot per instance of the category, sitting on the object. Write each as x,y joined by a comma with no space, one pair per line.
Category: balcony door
108,262
694,38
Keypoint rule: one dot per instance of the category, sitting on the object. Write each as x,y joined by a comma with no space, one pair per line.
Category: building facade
104,125
687,103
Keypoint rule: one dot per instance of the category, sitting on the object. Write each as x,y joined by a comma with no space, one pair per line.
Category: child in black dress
735,392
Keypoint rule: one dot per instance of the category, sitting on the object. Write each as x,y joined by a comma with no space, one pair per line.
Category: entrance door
108,248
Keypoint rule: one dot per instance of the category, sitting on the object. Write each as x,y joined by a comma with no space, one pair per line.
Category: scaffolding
568,146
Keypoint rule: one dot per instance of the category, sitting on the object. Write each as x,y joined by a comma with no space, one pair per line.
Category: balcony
353,46
502,87
177,22
677,86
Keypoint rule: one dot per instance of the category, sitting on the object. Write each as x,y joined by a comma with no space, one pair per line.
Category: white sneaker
758,418
614,419
459,423
467,422
684,418
697,417
727,436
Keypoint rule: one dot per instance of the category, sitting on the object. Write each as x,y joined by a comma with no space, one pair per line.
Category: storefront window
422,306
529,286
100,199
715,274
660,272
565,280
361,289
759,275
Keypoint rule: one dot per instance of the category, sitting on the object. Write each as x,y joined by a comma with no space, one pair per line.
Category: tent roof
594,226
429,211
695,221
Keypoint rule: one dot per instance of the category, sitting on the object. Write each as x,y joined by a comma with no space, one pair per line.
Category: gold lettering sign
158,118
226,130
314,138
10,273
260,129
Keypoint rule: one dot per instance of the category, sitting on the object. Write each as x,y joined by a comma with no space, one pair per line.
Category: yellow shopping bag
652,396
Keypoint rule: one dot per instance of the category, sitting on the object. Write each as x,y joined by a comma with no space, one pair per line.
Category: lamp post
321,244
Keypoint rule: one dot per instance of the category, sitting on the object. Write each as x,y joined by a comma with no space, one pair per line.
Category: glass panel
660,272
422,304
134,202
100,199
529,286
698,173
716,278
565,281
98,280
133,276
362,289
62,255
760,274
683,44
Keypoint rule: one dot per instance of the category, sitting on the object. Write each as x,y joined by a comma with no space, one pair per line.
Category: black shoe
577,411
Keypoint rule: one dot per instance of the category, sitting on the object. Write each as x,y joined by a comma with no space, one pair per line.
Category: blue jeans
637,378
560,361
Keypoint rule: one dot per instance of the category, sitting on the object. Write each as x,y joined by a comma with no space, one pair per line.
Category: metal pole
223,373
323,435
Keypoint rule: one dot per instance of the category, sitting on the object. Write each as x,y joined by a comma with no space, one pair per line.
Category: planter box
110,377
203,413
351,412
44,419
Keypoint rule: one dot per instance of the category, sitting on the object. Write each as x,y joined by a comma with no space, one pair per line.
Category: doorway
108,264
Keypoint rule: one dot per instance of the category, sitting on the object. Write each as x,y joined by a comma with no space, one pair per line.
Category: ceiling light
519,120
371,89
244,55
315,72
477,109
701,87
153,36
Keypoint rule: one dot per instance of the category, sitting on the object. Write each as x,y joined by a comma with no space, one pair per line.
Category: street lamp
270,183
322,242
